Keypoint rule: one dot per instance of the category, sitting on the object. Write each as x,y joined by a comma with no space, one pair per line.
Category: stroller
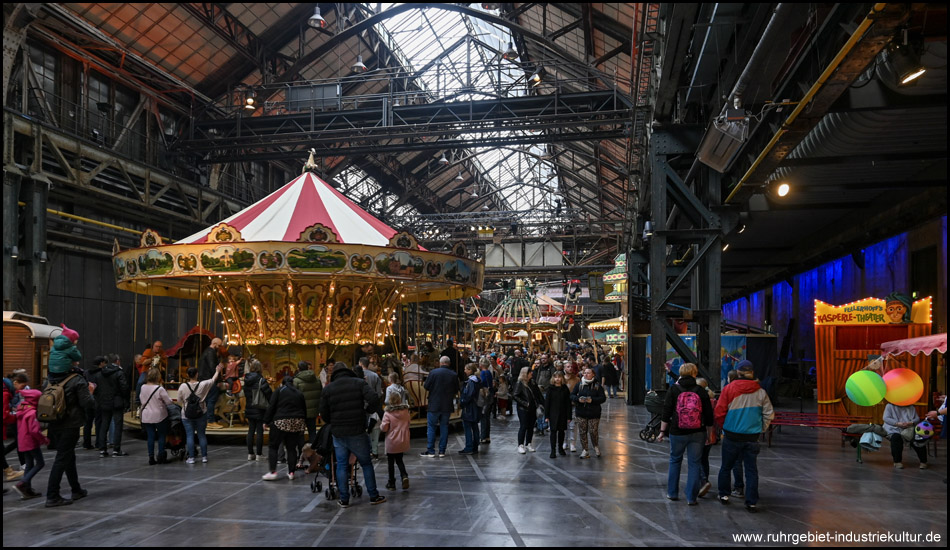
654,403
322,461
175,438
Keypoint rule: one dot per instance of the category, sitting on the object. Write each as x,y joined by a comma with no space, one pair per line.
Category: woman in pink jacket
395,425
155,401
30,441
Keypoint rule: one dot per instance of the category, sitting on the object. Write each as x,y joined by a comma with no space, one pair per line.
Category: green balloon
865,388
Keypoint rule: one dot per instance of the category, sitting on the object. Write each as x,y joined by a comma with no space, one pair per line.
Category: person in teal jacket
64,353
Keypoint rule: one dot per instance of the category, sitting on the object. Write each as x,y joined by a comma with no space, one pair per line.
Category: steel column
38,256
11,224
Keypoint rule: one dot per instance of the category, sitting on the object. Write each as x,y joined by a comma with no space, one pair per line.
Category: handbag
257,397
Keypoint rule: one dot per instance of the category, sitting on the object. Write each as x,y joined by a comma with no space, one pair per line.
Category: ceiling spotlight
475,193
359,66
459,177
443,160
489,6
511,54
783,189
250,100
905,59
316,20
535,80
725,247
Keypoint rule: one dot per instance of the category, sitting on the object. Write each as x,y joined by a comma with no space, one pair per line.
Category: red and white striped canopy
305,201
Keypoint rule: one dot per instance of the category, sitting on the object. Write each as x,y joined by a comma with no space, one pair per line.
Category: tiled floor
809,484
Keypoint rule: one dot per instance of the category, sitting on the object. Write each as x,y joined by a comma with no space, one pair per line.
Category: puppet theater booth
850,338
303,274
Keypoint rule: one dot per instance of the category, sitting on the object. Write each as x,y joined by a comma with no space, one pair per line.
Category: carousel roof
305,201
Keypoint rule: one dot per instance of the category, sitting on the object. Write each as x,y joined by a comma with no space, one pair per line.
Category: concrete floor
808,484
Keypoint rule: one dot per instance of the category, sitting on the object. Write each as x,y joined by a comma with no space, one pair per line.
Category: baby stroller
175,438
654,403
322,459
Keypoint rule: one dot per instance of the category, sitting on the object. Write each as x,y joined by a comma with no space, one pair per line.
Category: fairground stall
303,274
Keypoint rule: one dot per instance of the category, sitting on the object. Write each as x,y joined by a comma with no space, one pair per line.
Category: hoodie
470,408
308,384
29,433
743,410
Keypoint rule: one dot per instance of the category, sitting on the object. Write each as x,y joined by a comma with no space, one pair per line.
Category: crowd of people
559,393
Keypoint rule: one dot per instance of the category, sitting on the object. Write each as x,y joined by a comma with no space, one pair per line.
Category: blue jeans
34,463
441,421
471,435
156,432
691,445
211,400
191,426
359,446
611,391
744,452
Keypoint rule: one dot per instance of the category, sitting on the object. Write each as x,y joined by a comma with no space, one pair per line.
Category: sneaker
191,460
564,446
119,453
261,458
441,454
405,483
269,476
427,455
585,454
204,460
597,451
674,499
705,488
521,449
573,448
58,501
251,458
694,503
751,508
724,499
923,465
531,448
21,490
738,492
391,484
291,476
30,493
103,454
899,465
80,495
378,499
344,504
562,451
464,452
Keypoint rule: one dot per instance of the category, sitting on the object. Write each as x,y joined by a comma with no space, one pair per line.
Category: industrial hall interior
474,274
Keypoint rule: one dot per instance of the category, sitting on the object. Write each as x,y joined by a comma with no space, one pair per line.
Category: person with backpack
30,440
257,393
588,395
10,389
110,393
688,420
194,417
66,398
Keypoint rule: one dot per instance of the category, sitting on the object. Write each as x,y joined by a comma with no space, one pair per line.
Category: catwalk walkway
809,484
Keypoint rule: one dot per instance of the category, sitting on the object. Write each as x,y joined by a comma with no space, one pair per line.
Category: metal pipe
856,36
763,49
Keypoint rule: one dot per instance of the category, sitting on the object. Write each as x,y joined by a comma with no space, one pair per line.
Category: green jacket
63,354
311,388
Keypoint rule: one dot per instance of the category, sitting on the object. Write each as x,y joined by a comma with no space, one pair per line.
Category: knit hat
745,366
70,333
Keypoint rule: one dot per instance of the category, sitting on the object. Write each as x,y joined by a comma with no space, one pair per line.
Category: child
395,387
502,395
395,425
30,440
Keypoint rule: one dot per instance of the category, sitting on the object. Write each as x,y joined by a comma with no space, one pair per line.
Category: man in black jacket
110,396
344,405
92,415
207,364
64,434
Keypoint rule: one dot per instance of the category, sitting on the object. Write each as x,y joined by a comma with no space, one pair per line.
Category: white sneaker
597,451
521,449
204,460
269,476
190,460
585,454
252,457
290,476
573,448
531,448
564,446
262,458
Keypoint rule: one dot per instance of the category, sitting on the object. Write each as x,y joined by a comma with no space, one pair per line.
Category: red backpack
689,411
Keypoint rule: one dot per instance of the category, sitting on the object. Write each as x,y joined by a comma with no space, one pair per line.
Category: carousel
303,274
523,316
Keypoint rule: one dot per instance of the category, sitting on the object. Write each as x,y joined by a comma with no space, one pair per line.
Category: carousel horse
418,397
233,405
